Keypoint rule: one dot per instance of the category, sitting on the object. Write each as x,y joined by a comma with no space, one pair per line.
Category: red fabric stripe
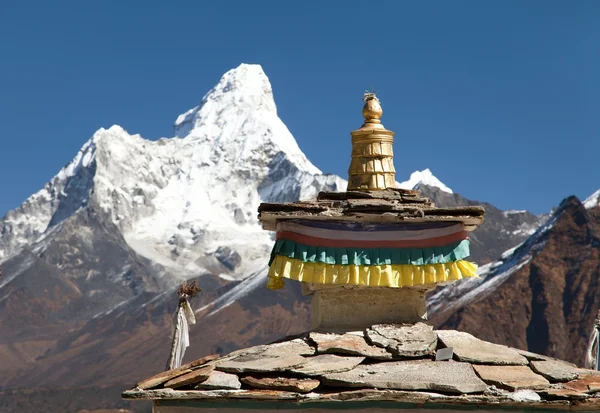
334,243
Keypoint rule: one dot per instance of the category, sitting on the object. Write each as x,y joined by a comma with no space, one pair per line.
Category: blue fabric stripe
371,256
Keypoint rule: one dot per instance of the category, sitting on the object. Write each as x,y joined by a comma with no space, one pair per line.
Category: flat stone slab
562,394
532,356
350,344
193,377
511,378
165,376
266,359
326,363
404,340
282,383
589,383
587,372
445,376
220,380
539,357
295,346
473,350
555,371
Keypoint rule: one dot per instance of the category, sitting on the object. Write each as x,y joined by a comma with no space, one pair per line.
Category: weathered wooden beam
471,211
269,219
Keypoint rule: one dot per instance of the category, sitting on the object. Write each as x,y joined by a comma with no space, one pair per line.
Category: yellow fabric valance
368,275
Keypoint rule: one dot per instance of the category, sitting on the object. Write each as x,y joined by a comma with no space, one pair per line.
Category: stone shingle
555,371
356,373
351,344
447,377
511,378
473,350
410,340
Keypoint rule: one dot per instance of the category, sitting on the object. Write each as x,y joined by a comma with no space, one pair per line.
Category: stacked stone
412,364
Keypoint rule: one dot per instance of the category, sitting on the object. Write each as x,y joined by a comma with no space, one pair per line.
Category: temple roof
411,364
392,205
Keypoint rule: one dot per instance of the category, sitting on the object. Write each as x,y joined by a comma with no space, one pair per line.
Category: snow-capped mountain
113,233
593,200
181,201
424,177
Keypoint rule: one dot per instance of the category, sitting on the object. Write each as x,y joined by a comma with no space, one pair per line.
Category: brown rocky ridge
333,367
543,297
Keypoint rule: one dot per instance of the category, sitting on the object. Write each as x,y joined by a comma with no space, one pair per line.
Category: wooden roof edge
313,206
382,194
269,219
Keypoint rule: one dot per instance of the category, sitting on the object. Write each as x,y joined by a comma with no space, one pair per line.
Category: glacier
593,200
178,200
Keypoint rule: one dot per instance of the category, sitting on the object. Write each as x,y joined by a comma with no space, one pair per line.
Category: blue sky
500,99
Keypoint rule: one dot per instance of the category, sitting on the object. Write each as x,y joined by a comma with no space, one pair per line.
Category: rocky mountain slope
542,295
500,231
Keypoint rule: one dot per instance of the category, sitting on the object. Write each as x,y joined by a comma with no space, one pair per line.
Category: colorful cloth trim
373,276
371,256
378,255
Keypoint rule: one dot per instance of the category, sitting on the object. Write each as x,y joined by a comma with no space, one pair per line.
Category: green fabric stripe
371,256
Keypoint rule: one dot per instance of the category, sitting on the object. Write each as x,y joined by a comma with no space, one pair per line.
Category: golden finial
372,165
372,110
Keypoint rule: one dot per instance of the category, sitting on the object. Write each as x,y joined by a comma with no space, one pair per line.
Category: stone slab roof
383,363
390,205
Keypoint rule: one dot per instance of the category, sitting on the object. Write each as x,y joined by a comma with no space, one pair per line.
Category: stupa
374,247
368,256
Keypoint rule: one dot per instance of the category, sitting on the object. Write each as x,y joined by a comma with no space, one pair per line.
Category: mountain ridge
179,192
546,291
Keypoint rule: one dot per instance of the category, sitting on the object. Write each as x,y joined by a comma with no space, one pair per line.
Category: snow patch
592,200
256,280
525,396
514,212
424,177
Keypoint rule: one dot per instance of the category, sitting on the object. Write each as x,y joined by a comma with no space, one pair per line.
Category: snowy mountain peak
245,87
424,177
237,119
180,201
592,200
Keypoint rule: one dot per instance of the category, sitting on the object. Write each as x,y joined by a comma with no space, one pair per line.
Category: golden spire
372,165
